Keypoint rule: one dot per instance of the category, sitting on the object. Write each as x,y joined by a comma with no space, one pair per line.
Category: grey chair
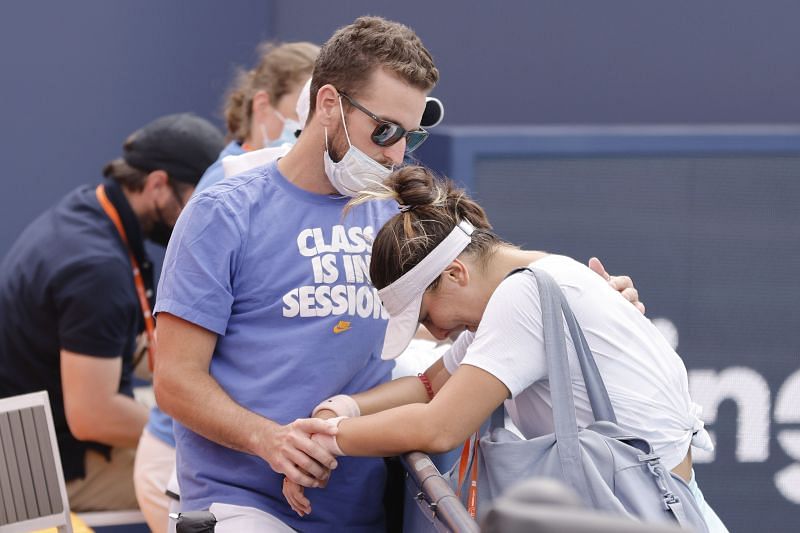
32,490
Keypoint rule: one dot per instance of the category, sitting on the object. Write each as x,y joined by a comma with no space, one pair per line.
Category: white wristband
341,404
329,441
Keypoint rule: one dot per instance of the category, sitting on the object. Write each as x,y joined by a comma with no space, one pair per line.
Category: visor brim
401,329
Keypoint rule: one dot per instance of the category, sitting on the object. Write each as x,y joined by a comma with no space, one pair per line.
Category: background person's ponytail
281,68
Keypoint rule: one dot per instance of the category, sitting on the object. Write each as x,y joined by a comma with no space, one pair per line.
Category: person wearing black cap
76,290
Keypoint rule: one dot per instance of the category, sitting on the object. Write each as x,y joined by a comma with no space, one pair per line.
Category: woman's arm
398,392
402,391
458,410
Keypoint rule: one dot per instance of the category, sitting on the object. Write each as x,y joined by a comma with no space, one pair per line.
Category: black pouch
194,522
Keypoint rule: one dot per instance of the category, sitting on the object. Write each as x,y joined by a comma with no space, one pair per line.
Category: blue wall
589,61
77,77
705,220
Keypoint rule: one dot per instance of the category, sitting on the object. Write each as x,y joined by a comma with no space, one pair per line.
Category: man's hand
622,284
290,451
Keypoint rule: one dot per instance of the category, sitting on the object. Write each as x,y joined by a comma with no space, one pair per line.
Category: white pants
238,519
155,462
713,522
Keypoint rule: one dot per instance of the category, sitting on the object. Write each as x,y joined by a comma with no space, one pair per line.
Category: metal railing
446,511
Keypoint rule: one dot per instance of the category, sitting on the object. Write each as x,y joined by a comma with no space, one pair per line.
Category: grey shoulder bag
609,468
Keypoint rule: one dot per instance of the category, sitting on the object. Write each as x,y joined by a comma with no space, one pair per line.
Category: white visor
402,299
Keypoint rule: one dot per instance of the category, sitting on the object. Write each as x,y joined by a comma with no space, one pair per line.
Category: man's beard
158,230
337,145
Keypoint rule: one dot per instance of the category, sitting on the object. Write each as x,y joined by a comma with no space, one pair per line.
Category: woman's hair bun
416,186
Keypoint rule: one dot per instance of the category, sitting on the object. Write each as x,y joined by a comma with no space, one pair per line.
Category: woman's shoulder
520,290
560,267
568,272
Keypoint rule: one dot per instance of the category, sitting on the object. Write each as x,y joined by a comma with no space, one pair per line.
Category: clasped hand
295,493
290,450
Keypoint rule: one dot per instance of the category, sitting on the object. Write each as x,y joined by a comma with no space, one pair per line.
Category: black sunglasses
387,133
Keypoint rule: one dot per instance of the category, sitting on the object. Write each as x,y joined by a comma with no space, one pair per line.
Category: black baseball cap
183,145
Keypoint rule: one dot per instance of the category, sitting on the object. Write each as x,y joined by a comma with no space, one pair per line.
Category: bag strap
566,426
555,310
595,387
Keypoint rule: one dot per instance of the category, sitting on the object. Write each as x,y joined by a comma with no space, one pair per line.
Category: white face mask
287,134
356,171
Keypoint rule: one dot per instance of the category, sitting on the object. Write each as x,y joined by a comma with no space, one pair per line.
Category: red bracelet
425,381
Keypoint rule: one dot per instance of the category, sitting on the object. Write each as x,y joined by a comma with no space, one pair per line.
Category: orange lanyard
472,500
472,496
149,323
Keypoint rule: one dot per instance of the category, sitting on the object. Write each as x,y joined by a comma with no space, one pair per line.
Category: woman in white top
438,263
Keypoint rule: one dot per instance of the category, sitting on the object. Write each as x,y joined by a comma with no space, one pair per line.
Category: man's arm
185,390
94,408
622,284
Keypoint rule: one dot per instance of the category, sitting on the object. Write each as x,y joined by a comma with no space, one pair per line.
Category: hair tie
405,208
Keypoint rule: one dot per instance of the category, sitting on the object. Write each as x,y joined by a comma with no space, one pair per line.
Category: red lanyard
149,324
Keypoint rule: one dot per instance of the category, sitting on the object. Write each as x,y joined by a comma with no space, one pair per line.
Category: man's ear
156,182
327,105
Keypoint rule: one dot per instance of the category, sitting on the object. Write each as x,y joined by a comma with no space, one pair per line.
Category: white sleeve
509,342
453,356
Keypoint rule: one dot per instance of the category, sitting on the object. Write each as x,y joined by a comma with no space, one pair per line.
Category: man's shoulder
251,186
71,235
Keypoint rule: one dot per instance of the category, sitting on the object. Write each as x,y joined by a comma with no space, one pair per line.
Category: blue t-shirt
282,277
159,424
216,172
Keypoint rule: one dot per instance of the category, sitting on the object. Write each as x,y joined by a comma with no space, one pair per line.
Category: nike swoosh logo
342,326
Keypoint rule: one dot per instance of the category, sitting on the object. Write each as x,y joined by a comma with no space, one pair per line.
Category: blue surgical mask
287,135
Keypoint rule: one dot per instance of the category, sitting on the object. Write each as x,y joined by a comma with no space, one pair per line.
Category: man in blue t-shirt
265,306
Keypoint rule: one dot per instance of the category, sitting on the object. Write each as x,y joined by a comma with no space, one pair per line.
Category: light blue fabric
280,275
159,424
215,172
713,521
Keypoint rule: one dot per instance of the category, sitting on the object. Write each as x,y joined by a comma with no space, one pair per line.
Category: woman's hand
295,495
621,284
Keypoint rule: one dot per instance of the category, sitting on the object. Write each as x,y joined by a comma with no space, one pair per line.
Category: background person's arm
95,410
185,390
